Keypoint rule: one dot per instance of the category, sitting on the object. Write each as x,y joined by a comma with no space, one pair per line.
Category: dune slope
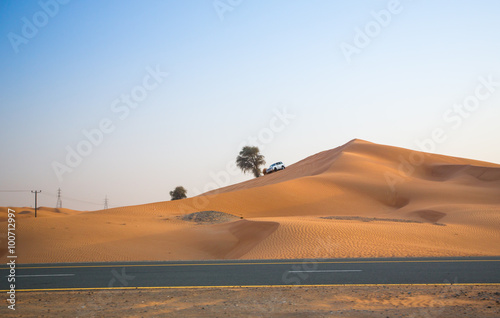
357,200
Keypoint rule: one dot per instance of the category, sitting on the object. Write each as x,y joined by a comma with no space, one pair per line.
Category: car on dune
275,167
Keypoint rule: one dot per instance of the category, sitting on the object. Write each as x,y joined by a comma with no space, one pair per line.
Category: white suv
275,167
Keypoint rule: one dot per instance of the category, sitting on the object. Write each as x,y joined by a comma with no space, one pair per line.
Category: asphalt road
254,273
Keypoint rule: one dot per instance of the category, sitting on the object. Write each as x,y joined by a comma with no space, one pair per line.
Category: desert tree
178,193
250,159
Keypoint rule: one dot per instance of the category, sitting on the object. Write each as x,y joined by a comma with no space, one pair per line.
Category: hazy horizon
129,100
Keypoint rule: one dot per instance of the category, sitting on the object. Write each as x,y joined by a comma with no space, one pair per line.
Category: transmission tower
59,200
106,202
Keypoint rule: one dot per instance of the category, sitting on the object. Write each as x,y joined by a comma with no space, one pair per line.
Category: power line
106,202
61,197
71,199
15,190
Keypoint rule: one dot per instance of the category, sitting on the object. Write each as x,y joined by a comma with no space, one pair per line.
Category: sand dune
42,212
358,200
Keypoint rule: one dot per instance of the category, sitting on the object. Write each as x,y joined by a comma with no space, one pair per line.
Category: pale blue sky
225,79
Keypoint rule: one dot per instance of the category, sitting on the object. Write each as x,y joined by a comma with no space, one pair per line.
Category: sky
129,99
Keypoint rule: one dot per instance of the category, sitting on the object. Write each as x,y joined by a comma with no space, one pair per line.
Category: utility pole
106,202
59,201
36,194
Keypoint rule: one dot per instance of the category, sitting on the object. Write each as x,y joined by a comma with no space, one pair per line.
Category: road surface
231,273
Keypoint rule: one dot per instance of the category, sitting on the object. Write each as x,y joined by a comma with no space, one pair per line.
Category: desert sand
357,200
354,301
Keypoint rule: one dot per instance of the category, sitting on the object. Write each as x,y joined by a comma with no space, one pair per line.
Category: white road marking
328,271
48,275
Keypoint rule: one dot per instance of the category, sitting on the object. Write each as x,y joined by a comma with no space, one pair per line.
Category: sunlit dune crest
357,200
